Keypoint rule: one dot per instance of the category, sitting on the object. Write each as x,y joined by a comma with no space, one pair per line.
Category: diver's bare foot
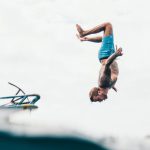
82,38
80,30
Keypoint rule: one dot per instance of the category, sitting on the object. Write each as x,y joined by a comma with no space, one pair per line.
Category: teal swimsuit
107,47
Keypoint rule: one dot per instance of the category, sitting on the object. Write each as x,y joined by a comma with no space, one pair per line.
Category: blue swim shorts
107,47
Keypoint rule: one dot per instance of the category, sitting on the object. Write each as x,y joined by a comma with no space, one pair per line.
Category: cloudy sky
40,52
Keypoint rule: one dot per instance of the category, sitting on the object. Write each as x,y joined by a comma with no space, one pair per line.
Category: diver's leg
106,27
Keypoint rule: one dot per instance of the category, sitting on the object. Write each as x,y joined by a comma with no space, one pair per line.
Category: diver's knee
108,24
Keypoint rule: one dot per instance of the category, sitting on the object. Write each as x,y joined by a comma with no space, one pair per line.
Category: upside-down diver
109,68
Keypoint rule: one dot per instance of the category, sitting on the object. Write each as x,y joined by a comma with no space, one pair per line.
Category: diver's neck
105,90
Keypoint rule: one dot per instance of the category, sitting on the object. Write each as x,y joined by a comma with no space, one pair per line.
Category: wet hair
93,94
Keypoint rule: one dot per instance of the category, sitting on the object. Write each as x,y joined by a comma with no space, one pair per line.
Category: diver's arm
113,82
113,57
108,63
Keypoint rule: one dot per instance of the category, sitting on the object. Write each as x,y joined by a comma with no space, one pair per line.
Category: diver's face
100,92
100,97
97,98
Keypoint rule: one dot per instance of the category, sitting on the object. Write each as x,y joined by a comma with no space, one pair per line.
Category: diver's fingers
116,47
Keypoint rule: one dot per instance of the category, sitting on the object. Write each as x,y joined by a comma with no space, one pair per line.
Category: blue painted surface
13,142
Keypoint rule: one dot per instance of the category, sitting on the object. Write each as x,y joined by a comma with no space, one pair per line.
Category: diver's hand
114,89
119,51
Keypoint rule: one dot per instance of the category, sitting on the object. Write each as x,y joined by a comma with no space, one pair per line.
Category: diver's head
97,94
